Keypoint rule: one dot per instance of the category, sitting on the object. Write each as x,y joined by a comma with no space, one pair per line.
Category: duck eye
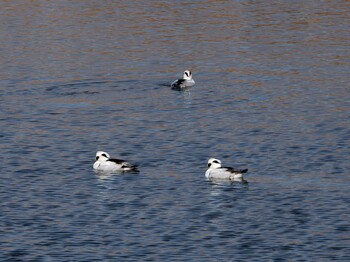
97,157
186,73
209,164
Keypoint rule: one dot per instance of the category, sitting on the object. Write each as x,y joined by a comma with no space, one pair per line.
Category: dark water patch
89,87
164,84
87,83
16,254
78,93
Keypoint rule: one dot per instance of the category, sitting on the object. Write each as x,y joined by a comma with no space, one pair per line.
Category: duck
105,163
216,171
183,83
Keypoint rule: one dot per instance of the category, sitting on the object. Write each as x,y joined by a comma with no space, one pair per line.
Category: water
271,94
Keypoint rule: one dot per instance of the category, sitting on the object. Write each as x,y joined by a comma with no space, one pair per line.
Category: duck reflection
219,186
104,175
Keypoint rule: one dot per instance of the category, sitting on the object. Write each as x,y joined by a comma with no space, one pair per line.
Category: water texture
271,95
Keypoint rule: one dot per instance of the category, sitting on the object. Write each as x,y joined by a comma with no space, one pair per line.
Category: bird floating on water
105,163
215,171
184,82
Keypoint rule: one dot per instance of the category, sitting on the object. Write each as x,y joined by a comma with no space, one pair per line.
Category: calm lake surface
272,95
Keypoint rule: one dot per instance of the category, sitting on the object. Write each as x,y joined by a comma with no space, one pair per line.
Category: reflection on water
106,175
221,185
271,94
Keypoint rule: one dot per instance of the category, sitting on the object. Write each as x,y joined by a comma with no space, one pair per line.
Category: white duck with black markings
184,82
105,163
216,171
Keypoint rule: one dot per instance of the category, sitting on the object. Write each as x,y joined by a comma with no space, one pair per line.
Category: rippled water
271,94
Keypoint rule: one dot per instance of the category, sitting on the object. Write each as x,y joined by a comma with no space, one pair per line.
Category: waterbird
184,82
216,171
105,163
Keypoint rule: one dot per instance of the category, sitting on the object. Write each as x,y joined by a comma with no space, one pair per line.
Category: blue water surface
271,95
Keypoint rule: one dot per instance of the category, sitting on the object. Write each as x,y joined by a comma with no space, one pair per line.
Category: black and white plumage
105,163
184,82
215,171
